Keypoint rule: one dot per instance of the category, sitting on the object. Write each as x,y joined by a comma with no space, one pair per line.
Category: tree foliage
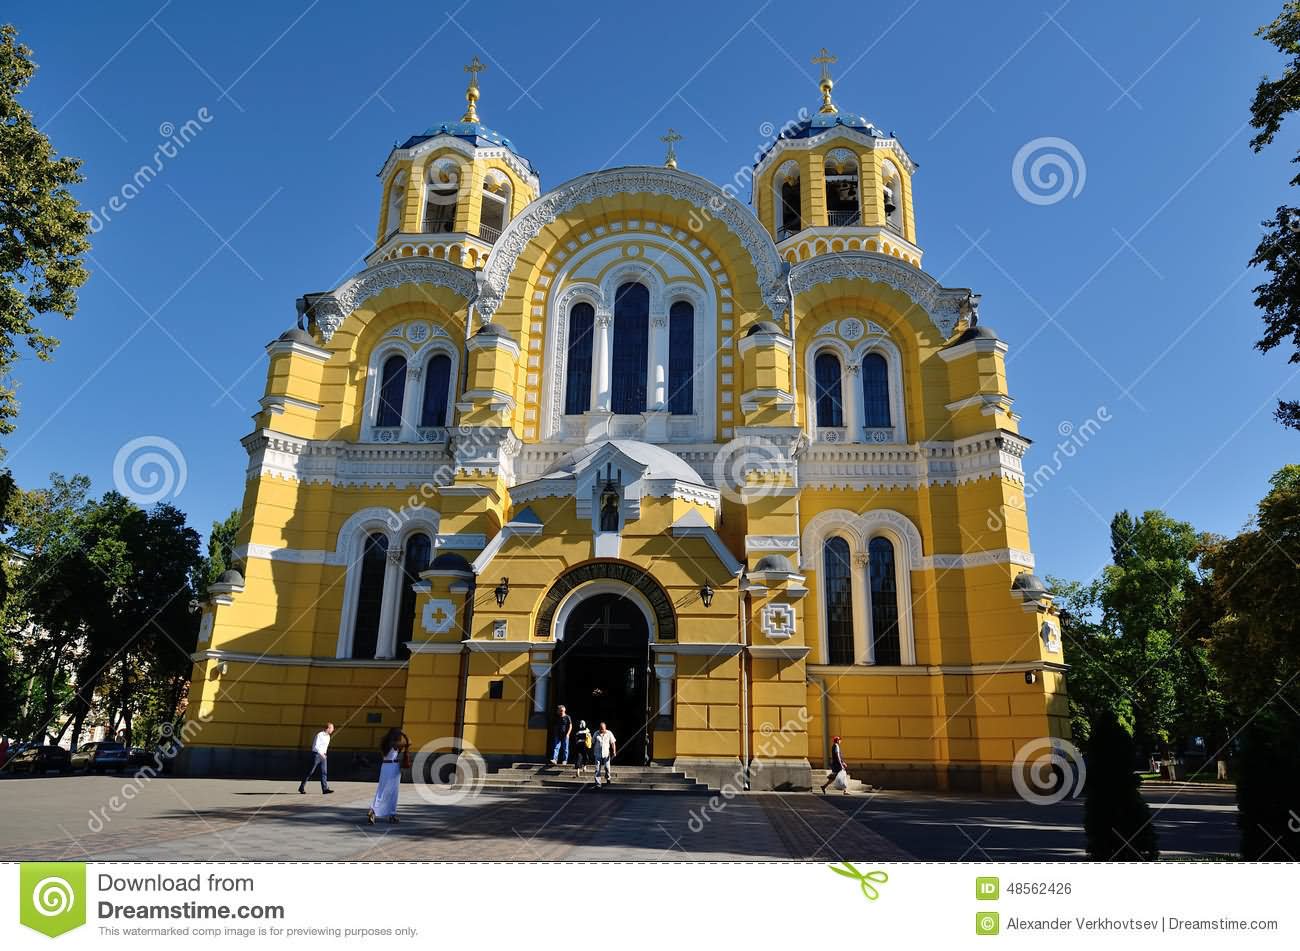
221,550
43,232
1278,252
100,607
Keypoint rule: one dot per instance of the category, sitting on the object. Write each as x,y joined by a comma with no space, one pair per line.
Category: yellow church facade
735,478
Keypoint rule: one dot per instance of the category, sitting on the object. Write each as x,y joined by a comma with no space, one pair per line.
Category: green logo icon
986,922
52,896
867,881
986,888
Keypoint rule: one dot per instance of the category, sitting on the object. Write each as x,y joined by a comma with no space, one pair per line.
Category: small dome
475,133
774,563
298,335
659,463
821,122
450,561
763,327
978,332
492,330
1029,586
231,576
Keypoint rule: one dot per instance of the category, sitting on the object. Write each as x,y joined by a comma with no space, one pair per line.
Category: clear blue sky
1130,295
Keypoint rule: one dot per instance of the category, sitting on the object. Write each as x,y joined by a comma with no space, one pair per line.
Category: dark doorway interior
602,671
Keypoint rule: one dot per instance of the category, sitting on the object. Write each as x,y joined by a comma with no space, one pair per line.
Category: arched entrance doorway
602,671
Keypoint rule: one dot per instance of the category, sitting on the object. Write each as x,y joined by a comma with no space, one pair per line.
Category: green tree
1116,819
43,233
221,550
1268,775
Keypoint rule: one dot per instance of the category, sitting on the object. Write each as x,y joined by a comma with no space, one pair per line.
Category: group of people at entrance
576,748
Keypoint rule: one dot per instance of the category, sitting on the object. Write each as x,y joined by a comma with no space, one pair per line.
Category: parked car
100,757
39,759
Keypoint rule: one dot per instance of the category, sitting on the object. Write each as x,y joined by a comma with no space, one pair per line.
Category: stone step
576,785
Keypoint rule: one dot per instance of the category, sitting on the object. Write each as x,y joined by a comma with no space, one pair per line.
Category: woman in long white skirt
390,776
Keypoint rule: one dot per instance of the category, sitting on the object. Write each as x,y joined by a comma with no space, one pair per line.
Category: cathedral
733,476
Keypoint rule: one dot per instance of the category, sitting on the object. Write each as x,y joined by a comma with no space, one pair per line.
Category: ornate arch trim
859,528
665,620
711,202
333,308
941,304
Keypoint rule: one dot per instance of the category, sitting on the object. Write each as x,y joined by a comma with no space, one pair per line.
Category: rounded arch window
392,389
828,393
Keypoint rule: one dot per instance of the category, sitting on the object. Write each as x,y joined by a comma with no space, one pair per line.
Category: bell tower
835,182
450,192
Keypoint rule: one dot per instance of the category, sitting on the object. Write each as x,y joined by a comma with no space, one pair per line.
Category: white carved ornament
941,304
333,308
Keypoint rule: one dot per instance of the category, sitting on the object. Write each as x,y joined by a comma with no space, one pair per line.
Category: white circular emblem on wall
417,332
851,329
633,250
439,616
1051,636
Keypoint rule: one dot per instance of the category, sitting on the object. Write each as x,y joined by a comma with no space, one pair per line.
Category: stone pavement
261,820
230,820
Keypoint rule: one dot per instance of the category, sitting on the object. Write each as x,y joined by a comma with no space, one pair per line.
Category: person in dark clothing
836,765
563,727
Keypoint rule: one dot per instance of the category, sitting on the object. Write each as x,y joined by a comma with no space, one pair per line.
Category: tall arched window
681,358
437,386
828,394
875,391
494,210
885,640
392,387
842,197
837,586
577,384
418,555
631,349
789,220
396,202
440,199
891,192
370,597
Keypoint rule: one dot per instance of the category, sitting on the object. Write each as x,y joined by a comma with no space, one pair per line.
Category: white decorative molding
762,544
941,304
977,559
713,202
278,455
333,308
286,660
777,621
439,616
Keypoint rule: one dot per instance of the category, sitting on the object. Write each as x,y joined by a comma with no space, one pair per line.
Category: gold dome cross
825,59
471,94
673,136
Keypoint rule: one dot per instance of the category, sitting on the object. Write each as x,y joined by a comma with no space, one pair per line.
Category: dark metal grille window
631,347
392,387
577,384
875,390
437,383
419,553
884,601
829,399
681,357
370,597
837,585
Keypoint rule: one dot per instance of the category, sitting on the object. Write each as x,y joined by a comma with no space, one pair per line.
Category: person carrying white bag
839,770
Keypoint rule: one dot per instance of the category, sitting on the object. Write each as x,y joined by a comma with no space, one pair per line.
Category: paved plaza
70,818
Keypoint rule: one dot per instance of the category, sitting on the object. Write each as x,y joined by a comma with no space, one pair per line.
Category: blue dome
475,133
821,122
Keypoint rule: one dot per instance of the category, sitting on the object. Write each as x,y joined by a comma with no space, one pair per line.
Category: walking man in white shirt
605,745
319,748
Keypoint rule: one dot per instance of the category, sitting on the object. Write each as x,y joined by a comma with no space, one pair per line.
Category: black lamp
706,594
501,591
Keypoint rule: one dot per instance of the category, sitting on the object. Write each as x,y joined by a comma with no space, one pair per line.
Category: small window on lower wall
496,689
374,717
